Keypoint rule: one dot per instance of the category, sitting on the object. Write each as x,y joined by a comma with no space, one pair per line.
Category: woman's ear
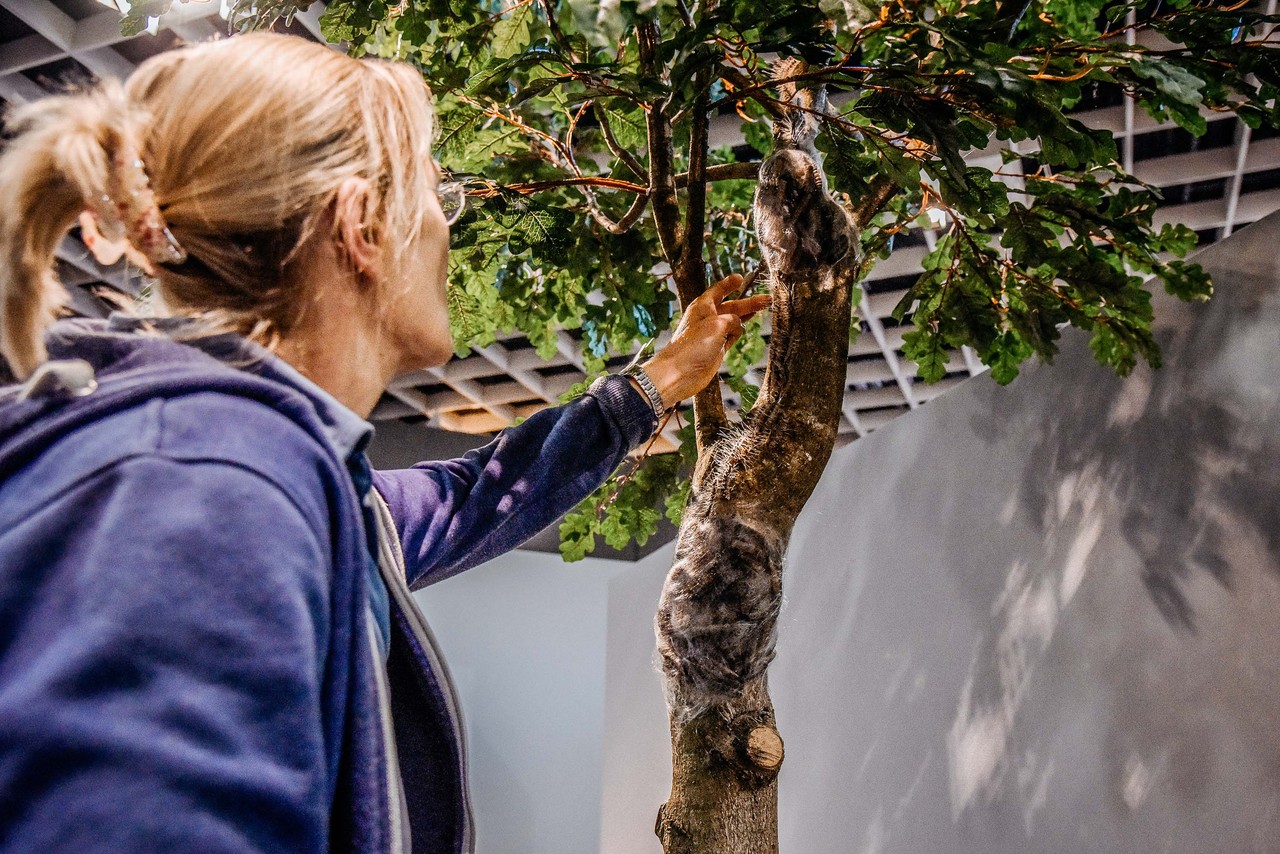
357,235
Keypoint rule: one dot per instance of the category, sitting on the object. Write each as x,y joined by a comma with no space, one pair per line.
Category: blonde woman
206,638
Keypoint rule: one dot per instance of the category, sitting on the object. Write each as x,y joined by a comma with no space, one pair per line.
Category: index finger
746,306
723,288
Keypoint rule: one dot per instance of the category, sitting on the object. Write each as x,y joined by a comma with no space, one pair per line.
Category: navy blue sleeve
161,645
455,514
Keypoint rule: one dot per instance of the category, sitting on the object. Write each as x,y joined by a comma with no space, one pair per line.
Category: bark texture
717,619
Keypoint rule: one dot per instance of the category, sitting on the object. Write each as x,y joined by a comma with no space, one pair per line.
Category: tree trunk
718,615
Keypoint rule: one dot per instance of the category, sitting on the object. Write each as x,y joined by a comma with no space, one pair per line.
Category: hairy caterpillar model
798,126
718,614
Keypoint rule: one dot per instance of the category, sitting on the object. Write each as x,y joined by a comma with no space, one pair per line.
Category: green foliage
139,14
244,16
543,107
627,506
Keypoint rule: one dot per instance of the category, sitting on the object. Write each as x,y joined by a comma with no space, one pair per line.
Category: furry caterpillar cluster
797,128
801,228
717,620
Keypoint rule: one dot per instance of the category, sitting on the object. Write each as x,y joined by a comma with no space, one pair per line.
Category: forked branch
631,161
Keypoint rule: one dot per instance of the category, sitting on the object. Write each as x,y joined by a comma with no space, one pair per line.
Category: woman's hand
708,329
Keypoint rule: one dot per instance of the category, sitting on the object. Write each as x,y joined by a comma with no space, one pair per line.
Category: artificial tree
582,128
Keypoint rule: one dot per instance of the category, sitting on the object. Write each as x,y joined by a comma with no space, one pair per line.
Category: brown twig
754,89
548,8
685,14
593,204
626,221
555,147
1138,25
1069,78
691,277
741,84
630,474
562,154
878,194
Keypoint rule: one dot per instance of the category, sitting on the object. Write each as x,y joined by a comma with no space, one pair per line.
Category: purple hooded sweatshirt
197,652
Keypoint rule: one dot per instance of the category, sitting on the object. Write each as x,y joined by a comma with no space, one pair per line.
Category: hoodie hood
97,367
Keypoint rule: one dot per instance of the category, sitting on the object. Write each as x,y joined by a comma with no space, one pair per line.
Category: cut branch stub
764,748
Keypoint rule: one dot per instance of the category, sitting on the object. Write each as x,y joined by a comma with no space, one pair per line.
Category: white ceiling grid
1213,186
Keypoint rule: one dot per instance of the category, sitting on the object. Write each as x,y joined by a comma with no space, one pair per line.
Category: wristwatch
646,385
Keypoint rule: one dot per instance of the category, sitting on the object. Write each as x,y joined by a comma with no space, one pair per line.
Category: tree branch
556,32
878,194
691,273
752,90
527,187
631,161
562,152
691,276
685,14
723,172
628,219
662,185
593,204
746,89
553,148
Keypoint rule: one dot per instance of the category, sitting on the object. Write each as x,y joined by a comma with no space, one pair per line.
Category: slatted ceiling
557,366
873,419
903,262
12,27
79,10
872,370
390,408
882,304
1214,184
59,73
866,343
1268,179
877,395
140,49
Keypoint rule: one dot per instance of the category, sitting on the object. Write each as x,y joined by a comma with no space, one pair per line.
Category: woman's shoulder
220,425
199,428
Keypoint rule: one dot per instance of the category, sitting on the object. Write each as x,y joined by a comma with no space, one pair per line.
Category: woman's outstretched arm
455,514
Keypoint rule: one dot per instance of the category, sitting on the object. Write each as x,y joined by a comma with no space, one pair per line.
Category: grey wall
525,638
637,749
1043,618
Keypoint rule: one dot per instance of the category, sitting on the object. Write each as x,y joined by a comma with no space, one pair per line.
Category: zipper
396,804
391,565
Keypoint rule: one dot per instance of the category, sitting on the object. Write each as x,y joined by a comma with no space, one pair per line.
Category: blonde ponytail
56,166
243,143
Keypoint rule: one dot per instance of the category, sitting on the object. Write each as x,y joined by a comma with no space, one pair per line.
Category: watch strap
646,385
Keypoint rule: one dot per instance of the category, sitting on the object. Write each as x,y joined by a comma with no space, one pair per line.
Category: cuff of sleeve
626,405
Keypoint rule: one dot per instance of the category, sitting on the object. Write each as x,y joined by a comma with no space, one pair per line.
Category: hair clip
126,220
